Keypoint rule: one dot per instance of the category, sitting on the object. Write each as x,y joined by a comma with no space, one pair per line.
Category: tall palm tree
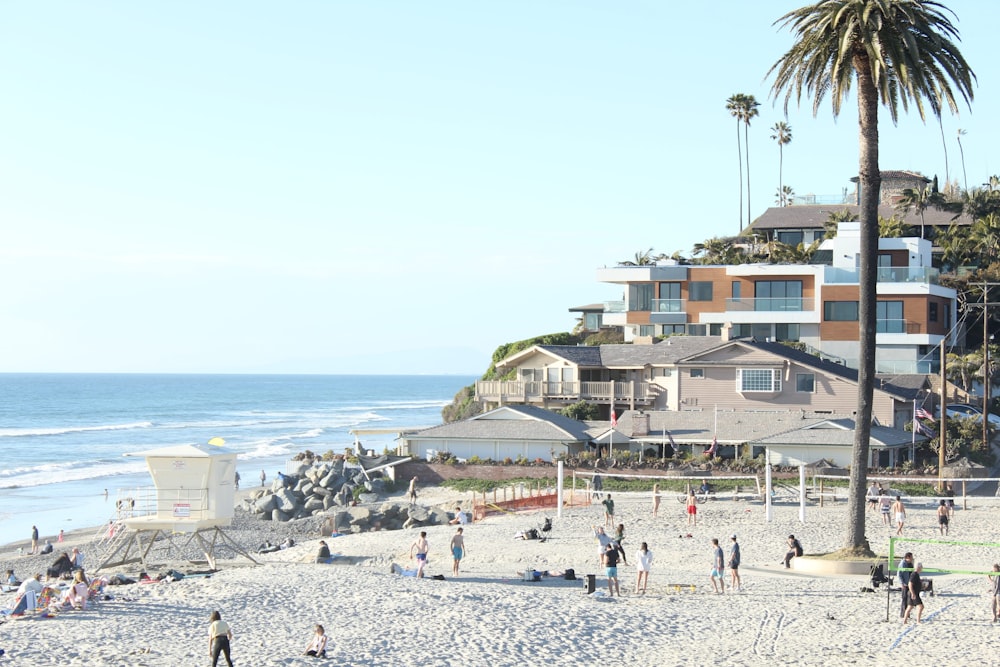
784,196
962,133
735,106
750,112
919,200
642,258
896,52
782,133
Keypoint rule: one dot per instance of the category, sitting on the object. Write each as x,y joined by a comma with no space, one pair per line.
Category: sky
388,186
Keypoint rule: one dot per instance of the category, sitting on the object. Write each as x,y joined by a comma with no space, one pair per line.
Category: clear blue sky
342,187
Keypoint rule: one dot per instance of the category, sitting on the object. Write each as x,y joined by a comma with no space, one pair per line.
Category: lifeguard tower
193,495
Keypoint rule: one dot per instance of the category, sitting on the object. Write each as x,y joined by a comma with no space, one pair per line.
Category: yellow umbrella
218,442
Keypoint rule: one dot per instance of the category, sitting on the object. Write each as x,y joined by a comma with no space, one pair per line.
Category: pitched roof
813,216
727,426
839,432
511,422
633,356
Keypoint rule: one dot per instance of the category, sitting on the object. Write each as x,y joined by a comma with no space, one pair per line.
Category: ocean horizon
65,436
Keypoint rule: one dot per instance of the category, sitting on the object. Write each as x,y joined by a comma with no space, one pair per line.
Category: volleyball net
949,556
630,487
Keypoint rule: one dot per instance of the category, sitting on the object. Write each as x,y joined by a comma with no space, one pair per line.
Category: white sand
489,616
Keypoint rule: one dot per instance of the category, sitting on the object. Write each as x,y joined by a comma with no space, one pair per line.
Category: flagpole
913,438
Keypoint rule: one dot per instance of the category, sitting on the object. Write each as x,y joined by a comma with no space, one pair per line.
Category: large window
786,332
697,330
805,383
778,295
792,238
670,299
840,311
932,312
647,330
670,329
592,321
696,373
758,380
700,290
889,316
640,296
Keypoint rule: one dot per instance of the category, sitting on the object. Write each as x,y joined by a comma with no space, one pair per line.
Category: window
737,286
786,332
531,374
567,374
670,290
714,329
889,317
670,299
697,372
647,330
778,295
700,290
932,311
670,329
840,311
758,379
741,331
791,238
697,330
805,383
640,296
592,321
665,372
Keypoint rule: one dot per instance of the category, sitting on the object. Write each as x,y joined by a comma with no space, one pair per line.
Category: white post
768,512
802,493
559,487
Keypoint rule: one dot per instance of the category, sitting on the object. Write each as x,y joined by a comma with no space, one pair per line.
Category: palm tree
965,182
895,52
962,368
749,113
919,200
782,133
735,106
892,228
984,234
784,196
642,258
956,247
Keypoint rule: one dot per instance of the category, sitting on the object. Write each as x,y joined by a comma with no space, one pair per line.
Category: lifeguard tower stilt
193,496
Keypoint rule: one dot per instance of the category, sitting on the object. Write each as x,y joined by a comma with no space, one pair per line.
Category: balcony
614,306
540,392
769,305
884,274
897,327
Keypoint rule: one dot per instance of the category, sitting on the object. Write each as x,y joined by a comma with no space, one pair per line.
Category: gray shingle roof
512,422
813,216
728,426
634,356
839,432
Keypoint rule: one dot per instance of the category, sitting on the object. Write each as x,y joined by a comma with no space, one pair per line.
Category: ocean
63,437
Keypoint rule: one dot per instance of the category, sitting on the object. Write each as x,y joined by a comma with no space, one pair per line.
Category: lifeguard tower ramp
192,499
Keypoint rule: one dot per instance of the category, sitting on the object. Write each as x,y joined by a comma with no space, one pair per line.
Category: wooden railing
518,390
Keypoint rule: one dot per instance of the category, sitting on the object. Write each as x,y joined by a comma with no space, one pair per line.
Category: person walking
718,567
942,514
457,549
656,499
413,489
734,564
643,563
884,506
899,513
219,637
904,569
611,569
692,509
619,540
916,588
995,592
421,547
34,540
236,480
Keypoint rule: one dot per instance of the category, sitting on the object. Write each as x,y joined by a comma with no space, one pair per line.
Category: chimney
727,329
640,423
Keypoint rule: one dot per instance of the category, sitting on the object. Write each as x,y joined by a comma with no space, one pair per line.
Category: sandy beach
489,616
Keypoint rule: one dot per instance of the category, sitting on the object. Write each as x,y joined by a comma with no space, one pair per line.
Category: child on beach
317,645
219,636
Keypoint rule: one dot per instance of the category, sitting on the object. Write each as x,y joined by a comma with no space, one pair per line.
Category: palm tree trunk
965,182
944,144
781,165
870,182
739,153
746,142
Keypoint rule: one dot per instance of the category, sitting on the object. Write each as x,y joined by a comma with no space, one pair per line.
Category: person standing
899,513
457,549
643,563
656,499
942,514
421,547
597,485
904,569
317,645
718,567
609,511
236,480
692,509
263,477
413,489
611,569
873,496
62,536
219,636
916,587
603,540
949,493
619,540
995,592
734,564
34,540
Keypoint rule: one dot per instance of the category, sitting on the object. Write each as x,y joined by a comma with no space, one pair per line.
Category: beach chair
48,597
96,588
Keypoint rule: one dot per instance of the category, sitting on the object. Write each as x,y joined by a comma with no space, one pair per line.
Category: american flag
614,419
920,413
670,436
920,428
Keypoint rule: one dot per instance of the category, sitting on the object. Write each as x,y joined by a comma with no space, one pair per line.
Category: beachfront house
509,432
833,440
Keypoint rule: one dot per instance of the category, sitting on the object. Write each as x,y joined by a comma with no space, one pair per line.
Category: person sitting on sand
47,549
76,594
10,582
460,518
324,553
77,558
317,644
62,566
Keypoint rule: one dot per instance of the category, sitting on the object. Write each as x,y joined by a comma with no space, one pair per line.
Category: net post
965,498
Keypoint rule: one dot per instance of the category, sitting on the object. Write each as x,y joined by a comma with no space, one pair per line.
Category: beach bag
570,575
531,534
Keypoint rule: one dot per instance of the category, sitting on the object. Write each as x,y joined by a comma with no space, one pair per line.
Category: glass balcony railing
614,306
769,304
896,326
884,274
668,305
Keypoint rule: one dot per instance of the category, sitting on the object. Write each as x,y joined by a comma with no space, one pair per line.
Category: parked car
967,411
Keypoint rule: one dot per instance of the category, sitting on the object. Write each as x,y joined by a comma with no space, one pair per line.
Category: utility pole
943,437
986,357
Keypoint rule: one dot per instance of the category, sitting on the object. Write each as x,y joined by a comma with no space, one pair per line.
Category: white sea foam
22,432
61,473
